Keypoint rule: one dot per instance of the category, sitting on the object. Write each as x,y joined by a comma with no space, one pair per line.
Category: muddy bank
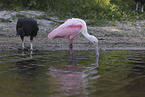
122,36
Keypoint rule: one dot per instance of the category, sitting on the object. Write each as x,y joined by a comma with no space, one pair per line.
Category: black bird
27,27
142,3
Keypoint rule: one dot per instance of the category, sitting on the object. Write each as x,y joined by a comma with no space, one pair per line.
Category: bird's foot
71,46
31,49
23,48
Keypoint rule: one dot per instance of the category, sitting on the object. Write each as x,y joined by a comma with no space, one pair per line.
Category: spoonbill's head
93,39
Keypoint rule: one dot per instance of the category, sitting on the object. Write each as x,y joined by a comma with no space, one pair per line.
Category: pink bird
70,29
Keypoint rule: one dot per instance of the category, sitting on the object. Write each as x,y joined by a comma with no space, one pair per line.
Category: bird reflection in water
90,75
31,54
68,79
27,67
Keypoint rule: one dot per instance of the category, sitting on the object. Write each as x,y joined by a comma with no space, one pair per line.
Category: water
57,74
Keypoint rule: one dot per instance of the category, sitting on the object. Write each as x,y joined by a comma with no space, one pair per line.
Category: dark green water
56,74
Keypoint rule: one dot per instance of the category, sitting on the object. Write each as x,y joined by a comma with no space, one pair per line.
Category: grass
98,12
5,20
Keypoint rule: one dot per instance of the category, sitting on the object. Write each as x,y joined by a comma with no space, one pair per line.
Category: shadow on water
26,67
60,74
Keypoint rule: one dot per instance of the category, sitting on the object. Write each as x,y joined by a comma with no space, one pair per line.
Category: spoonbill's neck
92,38
86,34
85,31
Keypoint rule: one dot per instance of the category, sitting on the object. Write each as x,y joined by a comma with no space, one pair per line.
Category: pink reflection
67,81
71,80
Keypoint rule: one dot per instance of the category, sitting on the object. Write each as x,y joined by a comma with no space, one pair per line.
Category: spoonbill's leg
71,48
70,45
71,53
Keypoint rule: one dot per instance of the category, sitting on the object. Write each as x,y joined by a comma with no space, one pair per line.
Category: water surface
57,74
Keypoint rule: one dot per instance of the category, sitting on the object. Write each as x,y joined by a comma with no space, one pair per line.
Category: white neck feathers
84,31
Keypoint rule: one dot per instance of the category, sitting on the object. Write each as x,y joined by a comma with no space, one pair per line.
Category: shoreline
121,36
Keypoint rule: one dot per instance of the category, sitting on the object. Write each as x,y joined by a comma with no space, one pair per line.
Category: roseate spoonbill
70,29
27,27
142,3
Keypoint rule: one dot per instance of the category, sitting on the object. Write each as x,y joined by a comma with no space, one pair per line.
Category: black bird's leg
31,40
22,38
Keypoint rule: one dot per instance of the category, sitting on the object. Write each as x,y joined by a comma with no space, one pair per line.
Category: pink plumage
70,29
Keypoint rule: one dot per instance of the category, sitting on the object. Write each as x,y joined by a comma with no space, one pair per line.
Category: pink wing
66,30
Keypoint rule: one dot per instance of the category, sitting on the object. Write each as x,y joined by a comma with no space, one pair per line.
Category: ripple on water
57,74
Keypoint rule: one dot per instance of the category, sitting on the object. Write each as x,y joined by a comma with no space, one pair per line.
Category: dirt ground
122,36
